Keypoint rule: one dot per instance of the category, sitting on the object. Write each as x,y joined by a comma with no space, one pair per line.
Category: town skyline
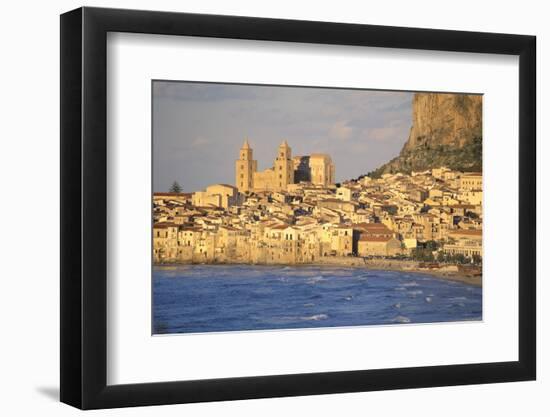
296,211
305,236
360,129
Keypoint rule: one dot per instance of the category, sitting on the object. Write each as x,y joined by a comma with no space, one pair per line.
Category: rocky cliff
446,131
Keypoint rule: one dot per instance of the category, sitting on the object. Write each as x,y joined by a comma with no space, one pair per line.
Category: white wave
458,299
428,299
309,304
414,293
316,317
348,298
305,273
398,305
316,279
399,289
340,273
401,319
411,284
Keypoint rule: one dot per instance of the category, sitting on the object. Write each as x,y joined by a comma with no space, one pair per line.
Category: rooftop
371,238
466,232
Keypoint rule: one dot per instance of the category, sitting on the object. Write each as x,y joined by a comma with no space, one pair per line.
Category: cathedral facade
317,169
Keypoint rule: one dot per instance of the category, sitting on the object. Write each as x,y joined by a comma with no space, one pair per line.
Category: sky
198,128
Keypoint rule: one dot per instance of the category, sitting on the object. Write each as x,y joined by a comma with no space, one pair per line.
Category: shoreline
445,272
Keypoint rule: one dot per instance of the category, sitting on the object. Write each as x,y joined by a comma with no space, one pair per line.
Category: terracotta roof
462,206
374,227
230,228
334,200
370,238
164,225
172,194
211,207
468,232
280,227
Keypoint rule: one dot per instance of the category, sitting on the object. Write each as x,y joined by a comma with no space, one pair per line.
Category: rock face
446,131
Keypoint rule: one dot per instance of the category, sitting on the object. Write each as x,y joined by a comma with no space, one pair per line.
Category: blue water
208,298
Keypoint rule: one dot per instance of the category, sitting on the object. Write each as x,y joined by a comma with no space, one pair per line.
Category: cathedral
317,169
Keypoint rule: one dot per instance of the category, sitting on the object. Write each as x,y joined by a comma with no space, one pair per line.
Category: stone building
471,181
464,242
370,245
293,214
166,198
217,195
165,242
245,167
317,169
344,193
277,178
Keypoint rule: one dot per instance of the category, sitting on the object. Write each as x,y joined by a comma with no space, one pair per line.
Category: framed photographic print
258,207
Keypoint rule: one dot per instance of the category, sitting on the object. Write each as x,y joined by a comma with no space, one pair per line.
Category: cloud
198,128
385,133
200,142
340,130
206,92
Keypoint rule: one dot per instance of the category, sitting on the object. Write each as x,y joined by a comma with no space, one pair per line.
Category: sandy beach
444,271
449,272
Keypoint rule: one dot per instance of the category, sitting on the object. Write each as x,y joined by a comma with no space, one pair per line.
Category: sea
226,298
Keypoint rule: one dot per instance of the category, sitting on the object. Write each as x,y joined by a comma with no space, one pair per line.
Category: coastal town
296,213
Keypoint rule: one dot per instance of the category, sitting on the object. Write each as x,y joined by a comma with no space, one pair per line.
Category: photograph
292,207
274,206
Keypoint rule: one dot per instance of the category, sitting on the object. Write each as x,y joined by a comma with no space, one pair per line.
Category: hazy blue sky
198,128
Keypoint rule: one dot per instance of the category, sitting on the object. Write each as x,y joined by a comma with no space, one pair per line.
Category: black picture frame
84,207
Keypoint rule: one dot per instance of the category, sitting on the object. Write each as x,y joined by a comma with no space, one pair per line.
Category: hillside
446,131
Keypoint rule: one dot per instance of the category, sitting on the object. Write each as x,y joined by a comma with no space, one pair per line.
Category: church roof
246,144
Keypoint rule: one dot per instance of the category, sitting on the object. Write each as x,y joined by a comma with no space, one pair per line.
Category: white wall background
29,175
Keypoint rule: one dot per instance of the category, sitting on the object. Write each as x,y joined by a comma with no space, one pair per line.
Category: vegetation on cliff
446,131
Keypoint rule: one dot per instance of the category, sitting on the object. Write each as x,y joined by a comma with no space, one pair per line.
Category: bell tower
284,167
245,167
